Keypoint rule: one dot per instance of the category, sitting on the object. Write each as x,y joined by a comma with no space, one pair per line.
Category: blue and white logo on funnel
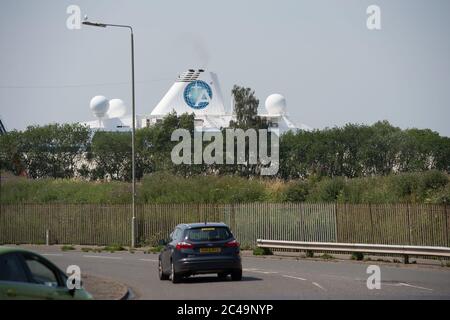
197,94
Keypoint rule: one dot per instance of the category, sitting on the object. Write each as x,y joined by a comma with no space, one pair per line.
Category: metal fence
399,224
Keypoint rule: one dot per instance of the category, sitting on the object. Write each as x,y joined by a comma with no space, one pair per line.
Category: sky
319,54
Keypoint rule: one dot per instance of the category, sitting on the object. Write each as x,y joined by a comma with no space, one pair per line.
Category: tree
11,159
246,111
154,145
245,108
53,150
111,154
381,151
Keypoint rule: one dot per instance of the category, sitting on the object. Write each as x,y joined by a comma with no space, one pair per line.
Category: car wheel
175,277
222,275
236,275
162,275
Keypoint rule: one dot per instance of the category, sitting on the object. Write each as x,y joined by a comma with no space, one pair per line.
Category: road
263,278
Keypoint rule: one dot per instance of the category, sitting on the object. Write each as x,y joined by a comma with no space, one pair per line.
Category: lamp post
133,169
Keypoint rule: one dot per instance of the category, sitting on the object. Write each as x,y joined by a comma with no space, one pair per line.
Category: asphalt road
263,278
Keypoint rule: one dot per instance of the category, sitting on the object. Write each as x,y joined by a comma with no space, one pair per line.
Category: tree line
351,151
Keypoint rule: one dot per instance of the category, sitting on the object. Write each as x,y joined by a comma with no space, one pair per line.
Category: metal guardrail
356,247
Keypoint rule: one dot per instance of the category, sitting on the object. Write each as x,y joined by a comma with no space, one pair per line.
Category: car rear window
208,234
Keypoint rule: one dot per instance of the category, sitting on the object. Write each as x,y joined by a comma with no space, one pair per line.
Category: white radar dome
117,108
276,104
99,106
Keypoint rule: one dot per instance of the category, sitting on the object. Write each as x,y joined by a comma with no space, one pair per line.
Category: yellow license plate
209,250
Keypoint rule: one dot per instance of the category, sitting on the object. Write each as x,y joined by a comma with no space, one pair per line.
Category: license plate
209,250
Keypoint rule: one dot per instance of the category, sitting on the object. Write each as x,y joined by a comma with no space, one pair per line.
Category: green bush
440,196
433,180
420,187
167,188
262,251
156,249
358,256
64,191
297,192
405,186
327,190
113,248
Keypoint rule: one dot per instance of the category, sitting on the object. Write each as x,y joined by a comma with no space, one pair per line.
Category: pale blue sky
318,54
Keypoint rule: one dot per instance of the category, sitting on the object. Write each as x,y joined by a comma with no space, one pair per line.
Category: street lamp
133,170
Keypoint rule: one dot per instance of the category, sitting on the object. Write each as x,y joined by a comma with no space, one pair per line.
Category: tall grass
424,187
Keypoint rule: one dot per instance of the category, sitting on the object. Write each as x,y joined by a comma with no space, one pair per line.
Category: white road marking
298,278
104,257
151,260
259,271
53,254
319,286
402,284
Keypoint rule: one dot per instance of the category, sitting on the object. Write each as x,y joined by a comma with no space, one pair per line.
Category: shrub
327,190
421,187
358,256
405,186
433,179
64,191
327,256
440,196
297,192
156,249
262,251
114,248
167,188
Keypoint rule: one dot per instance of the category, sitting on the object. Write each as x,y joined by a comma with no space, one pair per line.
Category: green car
27,276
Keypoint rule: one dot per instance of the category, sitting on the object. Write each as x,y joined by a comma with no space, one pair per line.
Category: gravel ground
103,288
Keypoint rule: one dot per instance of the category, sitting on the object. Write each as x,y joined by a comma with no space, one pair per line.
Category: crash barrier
403,250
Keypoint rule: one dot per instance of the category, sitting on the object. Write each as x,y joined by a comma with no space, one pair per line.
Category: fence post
133,232
336,221
371,223
233,219
446,224
409,222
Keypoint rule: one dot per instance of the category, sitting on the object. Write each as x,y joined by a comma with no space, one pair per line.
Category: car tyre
175,277
222,275
236,275
162,275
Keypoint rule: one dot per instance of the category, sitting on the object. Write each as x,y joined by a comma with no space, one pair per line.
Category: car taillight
184,245
232,244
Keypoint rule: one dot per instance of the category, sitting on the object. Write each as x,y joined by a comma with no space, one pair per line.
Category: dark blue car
200,248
